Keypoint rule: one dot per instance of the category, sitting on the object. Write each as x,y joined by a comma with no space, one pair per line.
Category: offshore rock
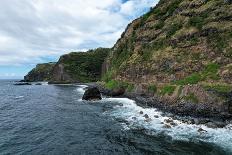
92,94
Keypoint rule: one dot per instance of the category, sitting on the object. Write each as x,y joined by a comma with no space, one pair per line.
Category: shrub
191,97
196,21
152,88
168,89
221,88
211,71
192,79
107,76
173,6
159,25
173,29
130,87
114,84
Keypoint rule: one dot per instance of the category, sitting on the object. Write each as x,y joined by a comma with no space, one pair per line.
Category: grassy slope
177,43
84,66
42,72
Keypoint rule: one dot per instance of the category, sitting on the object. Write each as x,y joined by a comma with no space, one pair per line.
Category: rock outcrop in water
92,94
22,84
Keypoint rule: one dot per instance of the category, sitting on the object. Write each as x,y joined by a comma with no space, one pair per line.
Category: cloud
33,29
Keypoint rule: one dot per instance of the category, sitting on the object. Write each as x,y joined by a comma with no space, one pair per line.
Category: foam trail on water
19,97
81,89
130,112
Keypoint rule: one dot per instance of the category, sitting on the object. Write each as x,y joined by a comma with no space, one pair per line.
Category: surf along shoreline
186,112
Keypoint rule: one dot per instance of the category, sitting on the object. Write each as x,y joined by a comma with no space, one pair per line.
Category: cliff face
174,40
80,66
178,49
42,72
73,67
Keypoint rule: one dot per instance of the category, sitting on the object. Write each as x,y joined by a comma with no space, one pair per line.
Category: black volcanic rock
92,93
22,84
118,92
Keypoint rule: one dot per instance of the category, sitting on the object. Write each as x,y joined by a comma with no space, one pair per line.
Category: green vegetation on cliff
176,44
42,72
72,67
81,66
176,38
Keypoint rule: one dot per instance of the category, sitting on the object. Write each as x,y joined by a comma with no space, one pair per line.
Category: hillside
42,72
80,66
72,67
181,51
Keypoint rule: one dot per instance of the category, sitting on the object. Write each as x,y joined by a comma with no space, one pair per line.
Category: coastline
186,112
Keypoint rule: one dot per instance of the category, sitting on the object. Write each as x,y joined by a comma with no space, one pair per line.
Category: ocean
53,120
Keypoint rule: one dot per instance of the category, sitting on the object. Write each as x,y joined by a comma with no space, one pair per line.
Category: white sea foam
19,97
130,112
44,83
81,89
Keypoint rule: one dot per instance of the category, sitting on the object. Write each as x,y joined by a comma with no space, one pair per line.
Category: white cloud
32,29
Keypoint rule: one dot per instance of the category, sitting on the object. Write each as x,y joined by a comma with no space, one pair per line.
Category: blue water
52,119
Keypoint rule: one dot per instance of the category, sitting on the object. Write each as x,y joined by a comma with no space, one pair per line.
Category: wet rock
141,112
203,121
146,116
170,115
201,130
134,118
23,81
167,126
156,116
220,124
173,124
168,120
190,122
162,114
60,82
22,84
211,125
38,84
196,121
92,94
118,92
148,119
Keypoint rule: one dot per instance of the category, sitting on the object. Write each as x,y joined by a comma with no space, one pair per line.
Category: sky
39,31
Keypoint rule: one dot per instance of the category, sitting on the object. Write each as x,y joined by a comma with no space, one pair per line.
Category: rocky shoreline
186,112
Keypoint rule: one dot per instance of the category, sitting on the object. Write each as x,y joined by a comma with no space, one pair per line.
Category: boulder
156,116
38,84
22,84
118,92
92,93
201,130
146,116
167,126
